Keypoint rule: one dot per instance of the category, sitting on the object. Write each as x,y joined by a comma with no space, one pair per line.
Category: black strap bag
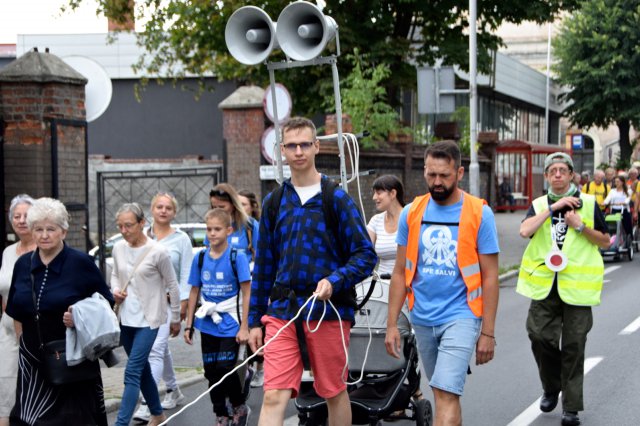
55,357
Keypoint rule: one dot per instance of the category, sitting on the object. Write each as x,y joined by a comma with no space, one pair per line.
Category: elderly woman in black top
62,276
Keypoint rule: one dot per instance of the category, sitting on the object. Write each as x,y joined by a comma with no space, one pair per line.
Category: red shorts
283,364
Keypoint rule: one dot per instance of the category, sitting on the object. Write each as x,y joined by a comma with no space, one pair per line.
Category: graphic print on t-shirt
440,249
559,228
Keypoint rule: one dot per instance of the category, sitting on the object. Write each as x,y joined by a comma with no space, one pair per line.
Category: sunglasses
218,193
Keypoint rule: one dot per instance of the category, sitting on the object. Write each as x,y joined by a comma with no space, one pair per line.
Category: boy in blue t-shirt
221,331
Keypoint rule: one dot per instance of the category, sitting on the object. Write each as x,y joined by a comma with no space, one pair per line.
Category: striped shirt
302,251
386,246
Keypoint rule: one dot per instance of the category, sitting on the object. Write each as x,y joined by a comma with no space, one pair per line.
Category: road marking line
533,411
631,328
611,269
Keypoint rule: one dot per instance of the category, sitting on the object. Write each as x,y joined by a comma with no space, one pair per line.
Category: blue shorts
446,351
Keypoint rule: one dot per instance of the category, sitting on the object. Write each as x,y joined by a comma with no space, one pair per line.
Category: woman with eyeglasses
245,228
141,278
9,356
164,208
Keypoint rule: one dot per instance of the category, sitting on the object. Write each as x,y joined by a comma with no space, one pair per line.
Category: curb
113,404
508,274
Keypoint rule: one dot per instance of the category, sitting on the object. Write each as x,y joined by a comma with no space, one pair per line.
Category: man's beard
443,192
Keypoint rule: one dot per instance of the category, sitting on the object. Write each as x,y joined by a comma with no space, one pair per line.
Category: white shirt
131,313
385,246
307,192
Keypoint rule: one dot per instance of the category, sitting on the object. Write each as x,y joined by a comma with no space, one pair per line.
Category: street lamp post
474,168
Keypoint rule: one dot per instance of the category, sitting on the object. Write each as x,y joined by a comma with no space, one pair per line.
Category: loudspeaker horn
250,35
303,30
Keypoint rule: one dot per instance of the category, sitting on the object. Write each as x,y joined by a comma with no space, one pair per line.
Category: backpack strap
272,207
201,258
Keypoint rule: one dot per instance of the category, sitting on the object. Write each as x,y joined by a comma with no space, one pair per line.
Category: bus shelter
519,171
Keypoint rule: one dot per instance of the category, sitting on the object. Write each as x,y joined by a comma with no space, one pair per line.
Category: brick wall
243,129
27,110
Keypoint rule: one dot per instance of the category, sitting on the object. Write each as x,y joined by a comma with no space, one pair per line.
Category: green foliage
462,116
187,37
365,100
598,49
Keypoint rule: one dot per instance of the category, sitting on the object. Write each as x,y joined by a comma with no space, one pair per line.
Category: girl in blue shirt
244,235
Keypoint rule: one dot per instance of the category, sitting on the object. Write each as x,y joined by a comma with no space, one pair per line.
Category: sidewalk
511,248
113,378
512,245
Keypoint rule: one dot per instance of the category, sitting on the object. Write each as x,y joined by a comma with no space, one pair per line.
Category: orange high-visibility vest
467,257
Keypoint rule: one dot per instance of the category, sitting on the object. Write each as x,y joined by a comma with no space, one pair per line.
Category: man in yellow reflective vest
562,272
447,269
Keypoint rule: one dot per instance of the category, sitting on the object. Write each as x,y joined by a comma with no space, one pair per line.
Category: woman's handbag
57,370
54,355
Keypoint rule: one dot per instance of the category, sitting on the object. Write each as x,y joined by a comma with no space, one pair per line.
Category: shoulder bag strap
135,268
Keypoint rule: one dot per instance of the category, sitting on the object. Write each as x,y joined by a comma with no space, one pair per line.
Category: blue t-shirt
240,238
218,284
440,292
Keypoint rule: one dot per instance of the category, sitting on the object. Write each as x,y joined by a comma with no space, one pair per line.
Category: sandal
417,395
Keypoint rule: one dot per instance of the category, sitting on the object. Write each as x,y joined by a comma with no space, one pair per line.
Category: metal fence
190,186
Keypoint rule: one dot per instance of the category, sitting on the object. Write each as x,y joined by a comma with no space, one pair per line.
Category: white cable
311,299
256,353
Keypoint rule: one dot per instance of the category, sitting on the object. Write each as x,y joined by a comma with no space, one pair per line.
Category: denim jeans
446,350
137,343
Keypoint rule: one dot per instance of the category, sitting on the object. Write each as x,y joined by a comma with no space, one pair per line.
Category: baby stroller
621,242
388,383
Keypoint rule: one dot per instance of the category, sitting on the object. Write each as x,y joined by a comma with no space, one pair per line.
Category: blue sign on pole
577,141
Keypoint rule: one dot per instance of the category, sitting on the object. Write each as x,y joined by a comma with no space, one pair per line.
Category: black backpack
327,187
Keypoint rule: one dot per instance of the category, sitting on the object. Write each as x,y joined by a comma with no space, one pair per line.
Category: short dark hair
389,182
447,150
298,123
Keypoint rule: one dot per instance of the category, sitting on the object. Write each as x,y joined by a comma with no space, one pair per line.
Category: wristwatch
580,228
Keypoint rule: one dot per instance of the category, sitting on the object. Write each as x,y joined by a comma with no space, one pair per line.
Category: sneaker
172,398
223,421
142,414
241,415
258,379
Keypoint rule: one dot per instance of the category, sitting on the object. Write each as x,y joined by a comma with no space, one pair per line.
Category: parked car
197,233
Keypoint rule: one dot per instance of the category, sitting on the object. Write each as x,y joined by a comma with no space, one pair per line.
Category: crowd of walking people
263,261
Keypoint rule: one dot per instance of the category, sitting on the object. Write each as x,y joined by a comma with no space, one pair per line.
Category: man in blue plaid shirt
299,256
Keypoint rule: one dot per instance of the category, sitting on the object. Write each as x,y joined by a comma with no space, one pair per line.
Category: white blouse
385,245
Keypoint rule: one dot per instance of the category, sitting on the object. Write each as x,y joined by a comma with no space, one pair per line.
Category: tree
598,49
187,37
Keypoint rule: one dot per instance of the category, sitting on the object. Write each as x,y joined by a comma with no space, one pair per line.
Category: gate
190,186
